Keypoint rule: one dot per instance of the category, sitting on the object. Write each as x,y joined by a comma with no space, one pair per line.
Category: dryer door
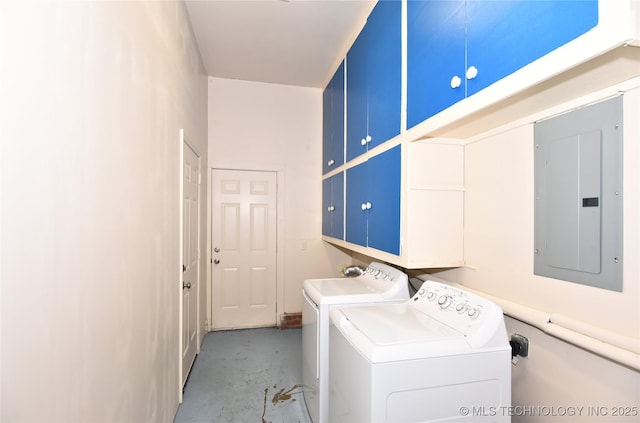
310,354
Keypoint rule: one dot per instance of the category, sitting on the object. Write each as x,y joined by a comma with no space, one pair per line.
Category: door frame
185,141
280,218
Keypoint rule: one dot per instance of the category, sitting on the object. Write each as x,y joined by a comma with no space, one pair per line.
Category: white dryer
378,284
441,356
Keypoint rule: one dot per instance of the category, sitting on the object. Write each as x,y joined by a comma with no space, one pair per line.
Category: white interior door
190,257
244,249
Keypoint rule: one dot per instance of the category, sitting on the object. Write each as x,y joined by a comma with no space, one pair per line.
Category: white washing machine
378,284
441,356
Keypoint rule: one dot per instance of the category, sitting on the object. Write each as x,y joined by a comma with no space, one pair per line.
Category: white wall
93,96
499,205
258,126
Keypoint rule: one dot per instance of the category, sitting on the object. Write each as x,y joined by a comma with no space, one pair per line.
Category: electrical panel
578,195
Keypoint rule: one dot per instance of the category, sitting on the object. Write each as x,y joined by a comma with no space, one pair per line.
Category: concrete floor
247,375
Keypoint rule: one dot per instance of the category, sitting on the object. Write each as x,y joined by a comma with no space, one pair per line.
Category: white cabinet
434,207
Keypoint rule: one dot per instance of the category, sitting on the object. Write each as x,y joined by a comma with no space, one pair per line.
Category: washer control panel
457,308
386,280
380,271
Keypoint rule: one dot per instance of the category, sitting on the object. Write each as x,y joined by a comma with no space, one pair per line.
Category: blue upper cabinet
333,122
374,80
456,48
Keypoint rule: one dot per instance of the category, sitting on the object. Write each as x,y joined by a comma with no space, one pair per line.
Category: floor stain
282,395
264,407
279,397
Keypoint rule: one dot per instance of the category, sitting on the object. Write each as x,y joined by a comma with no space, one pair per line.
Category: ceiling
289,42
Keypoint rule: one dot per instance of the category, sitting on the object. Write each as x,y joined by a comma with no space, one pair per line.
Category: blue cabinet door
337,116
435,54
384,66
374,84
357,116
333,206
504,36
333,122
337,212
373,202
384,177
327,145
356,196
326,207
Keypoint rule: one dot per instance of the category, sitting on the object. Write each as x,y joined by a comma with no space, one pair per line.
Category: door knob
216,250
186,285
216,261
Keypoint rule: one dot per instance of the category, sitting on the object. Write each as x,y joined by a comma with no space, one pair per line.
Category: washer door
392,332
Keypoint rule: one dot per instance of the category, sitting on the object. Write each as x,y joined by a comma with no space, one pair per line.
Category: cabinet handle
331,162
330,208
365,140
365,206
456,82
472,72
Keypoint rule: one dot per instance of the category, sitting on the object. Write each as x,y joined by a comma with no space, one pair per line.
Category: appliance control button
460,308
431,296
421,292
473,313
444,301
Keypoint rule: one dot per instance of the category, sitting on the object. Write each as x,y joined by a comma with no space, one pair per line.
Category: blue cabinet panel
504,36
357,114
356,196
326,207
327,144
374,84
337,218
337,116
333,122
435,53
384,196
373,202
333,206
384,61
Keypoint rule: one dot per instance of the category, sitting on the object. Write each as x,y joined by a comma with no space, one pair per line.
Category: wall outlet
519,345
